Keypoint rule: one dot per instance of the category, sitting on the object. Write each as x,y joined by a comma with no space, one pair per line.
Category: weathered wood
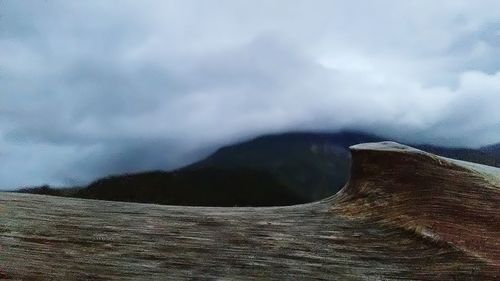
404,214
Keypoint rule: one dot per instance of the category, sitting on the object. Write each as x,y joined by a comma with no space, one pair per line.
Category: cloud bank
94,87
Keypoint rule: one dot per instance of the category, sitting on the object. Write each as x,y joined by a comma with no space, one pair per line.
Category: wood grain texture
404,214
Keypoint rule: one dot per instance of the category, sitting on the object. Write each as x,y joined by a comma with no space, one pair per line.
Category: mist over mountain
157,85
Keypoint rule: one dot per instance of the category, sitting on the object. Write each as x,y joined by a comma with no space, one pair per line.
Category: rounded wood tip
384,146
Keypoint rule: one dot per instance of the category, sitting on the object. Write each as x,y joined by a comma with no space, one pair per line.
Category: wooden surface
405,214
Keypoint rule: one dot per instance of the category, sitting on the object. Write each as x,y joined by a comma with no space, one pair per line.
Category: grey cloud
91,88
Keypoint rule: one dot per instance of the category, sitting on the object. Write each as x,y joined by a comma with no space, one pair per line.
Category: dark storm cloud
94,87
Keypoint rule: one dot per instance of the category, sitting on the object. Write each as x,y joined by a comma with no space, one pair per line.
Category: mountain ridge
303,166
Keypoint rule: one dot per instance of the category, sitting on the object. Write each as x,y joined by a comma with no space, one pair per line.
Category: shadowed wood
405,214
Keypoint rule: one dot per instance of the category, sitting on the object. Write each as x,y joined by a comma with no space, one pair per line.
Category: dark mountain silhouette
203,187
494,151
314,165
271,170
47,190
487,156
42,190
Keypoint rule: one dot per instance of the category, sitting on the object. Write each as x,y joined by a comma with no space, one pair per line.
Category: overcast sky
93,87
